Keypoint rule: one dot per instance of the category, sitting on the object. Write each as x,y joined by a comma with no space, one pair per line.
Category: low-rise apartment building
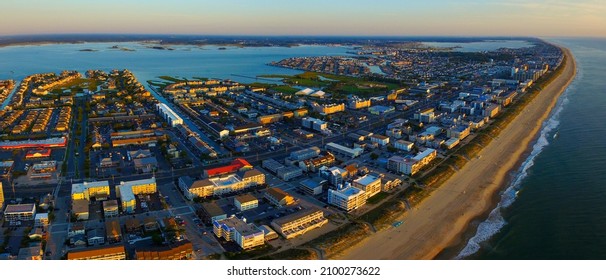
299,223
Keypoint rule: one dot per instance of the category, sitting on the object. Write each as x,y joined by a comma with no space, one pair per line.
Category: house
95,237
138,154
146,165
76,229
150,224
113,232
132,225
110,208
80,209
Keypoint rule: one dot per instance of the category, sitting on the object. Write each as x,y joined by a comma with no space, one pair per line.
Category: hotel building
233,229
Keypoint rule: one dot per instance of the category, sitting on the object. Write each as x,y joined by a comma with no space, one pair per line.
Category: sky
543,18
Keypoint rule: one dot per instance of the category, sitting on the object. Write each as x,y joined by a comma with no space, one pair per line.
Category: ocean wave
495,221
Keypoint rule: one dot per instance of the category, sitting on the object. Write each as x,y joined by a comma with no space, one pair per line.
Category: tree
374,156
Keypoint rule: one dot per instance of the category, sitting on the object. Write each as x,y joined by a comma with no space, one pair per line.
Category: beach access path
441,219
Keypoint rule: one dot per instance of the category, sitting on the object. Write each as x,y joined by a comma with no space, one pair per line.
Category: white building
403,145
169,115
344,151
379,139
348,199
313,123
233,229
411,165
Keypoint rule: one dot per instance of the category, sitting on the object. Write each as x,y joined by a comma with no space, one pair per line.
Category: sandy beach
440,220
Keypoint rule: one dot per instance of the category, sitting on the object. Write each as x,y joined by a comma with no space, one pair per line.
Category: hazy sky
307,17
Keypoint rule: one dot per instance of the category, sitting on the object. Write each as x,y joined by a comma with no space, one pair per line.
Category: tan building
279,197
299,223
233,229
180,251
114,252
368,183
246,202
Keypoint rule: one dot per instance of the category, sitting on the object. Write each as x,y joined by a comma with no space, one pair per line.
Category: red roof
235,166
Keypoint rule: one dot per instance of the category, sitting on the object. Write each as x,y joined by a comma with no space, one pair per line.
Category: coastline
452,211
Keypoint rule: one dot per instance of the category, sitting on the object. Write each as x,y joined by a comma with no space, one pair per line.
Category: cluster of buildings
126,192
337,65
234,177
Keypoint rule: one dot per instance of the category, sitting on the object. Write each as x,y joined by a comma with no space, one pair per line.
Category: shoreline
439,224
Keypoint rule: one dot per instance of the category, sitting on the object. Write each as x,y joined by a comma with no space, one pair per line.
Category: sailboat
555,135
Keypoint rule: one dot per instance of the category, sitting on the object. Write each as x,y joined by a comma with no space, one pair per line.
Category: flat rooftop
19,208
240,226
366,180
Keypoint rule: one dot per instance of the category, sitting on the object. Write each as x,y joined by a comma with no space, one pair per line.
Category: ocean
555,206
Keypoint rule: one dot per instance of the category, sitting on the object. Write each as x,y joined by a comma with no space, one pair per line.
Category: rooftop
19,208
246,198
366,180
96,251
240,226
82,187
296,215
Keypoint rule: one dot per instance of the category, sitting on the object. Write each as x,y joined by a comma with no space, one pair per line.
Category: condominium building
314,164
279,197
327,109
246,202
411,165
20,212
313,123
169,115
299,223
221,185
181,250
247,236
114,252
337,176
289,172
369,184
127,191
86,190
348,198
379,139
403,145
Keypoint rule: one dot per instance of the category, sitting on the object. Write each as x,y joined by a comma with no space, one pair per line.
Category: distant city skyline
312,17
